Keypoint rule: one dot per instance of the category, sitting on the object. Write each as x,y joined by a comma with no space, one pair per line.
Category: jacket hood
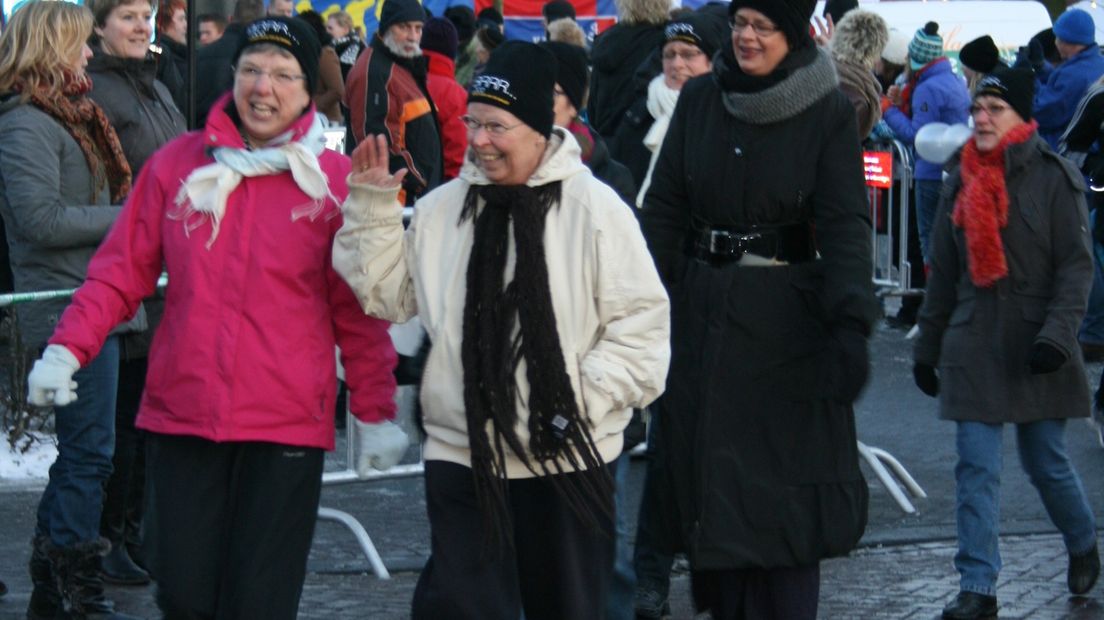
439,64
860,37
9,101
633,12
143,70
562,159
623,41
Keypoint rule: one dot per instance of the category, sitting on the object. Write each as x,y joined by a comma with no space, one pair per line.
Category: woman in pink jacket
240,393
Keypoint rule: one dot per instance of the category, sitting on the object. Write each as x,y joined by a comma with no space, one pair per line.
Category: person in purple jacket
933,94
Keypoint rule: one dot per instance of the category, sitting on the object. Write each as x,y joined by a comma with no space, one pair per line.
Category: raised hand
370,159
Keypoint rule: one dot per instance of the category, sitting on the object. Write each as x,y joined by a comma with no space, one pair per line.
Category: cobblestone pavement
899,581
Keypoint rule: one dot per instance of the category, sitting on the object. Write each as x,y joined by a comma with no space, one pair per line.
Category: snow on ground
30,465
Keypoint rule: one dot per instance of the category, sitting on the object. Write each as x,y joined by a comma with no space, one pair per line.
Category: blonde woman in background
64,174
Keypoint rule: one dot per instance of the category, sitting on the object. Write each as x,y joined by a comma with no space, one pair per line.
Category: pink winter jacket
245,351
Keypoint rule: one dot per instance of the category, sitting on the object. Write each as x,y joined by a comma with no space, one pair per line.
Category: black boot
1083,571
118,568
44,598
77,571
971,606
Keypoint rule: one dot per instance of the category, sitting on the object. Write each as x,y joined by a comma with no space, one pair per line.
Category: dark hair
102,8
246,11
315,21
215,18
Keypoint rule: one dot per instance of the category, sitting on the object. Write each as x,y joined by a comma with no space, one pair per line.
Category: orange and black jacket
387,95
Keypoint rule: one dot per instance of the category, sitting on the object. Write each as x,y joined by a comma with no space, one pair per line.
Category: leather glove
852,363
379,446
1045,358
51,379
926,379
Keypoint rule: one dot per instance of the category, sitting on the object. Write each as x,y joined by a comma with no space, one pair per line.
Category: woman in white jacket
548,323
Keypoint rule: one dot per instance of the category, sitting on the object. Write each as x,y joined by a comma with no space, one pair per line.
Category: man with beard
386,93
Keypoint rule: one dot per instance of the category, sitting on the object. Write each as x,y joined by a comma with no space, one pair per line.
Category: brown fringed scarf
981,209
85,121
491,351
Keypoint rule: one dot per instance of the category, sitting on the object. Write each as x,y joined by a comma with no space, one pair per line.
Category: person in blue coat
933,94
1058,90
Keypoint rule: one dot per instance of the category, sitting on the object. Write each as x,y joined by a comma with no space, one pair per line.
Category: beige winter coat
611,309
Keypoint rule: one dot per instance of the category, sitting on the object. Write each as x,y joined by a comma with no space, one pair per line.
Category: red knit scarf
87,124
981,209
583,137
907,91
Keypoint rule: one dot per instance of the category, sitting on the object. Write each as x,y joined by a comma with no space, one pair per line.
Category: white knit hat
896,50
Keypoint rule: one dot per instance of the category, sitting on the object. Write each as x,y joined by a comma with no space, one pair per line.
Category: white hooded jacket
612,312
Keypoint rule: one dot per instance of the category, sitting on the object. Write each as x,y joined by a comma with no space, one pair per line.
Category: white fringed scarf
203,194
661,105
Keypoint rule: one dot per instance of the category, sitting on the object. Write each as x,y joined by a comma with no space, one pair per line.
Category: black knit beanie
838,8
571,70
1016,86
399,11
705,30
519,77
980,55
439,35
557,9
791,17
293,35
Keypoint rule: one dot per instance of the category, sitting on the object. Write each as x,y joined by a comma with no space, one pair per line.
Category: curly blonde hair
39,45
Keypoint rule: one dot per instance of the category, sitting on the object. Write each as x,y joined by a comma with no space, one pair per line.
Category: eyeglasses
993,110
760,28
250,74
686,55
494,128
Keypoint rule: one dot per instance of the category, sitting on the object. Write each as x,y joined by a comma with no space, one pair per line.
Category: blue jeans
927,201
69,511
1042,448
619,602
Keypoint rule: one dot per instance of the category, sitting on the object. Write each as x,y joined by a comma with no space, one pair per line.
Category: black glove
852,363
926,379
1035,55
1021,61
1045,358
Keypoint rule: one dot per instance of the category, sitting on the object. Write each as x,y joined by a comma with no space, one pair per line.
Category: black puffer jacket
616,54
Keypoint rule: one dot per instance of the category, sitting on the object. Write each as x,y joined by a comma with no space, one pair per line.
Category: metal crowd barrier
888,168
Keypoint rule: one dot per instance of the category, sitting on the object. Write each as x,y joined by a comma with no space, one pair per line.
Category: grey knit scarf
786,99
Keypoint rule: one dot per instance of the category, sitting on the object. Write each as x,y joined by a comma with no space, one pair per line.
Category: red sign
878,168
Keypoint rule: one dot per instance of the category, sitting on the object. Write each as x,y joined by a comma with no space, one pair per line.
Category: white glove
51,379
379,446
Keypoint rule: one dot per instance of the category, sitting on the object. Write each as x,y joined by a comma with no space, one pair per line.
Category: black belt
790,243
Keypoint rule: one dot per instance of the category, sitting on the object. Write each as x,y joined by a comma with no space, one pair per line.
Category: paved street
903,569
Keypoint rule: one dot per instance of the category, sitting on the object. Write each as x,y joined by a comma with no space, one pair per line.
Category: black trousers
558,567
121,519
229,526
758,593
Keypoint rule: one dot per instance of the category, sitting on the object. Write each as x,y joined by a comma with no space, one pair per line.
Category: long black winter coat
758,436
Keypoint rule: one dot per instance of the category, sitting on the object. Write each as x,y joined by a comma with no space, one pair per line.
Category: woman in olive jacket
769,322
1010,275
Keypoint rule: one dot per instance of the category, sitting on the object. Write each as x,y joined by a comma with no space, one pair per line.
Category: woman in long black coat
759,226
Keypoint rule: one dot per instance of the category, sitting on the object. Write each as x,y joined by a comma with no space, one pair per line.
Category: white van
1011,23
